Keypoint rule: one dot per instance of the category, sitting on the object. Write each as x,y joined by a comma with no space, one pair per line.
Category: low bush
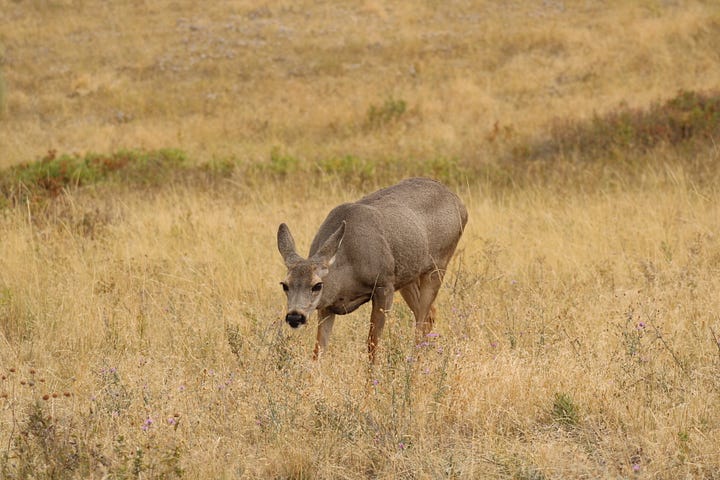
688,118
620,146
53,173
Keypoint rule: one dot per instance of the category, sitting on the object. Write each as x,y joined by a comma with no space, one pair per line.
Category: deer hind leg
326,320
420,296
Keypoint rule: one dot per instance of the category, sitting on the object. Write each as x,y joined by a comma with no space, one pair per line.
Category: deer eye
285,286
317,287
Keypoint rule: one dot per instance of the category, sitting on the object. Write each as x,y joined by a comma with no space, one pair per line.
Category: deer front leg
326,320
381,304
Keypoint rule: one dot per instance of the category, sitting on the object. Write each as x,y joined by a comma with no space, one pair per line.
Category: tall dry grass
578,339
140,332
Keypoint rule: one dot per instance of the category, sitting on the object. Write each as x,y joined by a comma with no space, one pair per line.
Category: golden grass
171,309
235,80
578,332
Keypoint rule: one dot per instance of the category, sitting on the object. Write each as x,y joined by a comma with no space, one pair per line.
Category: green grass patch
352,170
611,150
349,168
281,164
53,173
379,116
624,147
565,410
688,118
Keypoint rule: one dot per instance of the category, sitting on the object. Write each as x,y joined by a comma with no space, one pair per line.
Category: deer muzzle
295,319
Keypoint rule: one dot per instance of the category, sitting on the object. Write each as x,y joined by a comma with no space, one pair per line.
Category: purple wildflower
147,424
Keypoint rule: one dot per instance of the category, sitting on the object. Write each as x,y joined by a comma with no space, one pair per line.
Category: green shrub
220,167
349,168
281,164
53,173
689,117
564,410
387,113
447,170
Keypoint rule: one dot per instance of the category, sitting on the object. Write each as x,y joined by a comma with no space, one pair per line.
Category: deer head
304,282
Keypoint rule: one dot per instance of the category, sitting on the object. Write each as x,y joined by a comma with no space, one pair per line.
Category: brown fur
399,238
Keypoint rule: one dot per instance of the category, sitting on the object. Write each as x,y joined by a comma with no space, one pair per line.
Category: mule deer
398,238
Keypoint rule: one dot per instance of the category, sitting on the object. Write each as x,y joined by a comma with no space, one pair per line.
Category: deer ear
329,249
286,245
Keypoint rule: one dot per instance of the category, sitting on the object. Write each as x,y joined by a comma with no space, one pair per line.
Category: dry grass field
140,310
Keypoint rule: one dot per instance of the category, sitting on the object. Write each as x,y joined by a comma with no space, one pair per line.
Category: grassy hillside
237,80
148,152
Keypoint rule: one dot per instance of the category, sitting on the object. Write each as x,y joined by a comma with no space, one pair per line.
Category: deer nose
295,319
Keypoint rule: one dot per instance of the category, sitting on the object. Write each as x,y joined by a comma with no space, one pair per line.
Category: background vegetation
149,150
